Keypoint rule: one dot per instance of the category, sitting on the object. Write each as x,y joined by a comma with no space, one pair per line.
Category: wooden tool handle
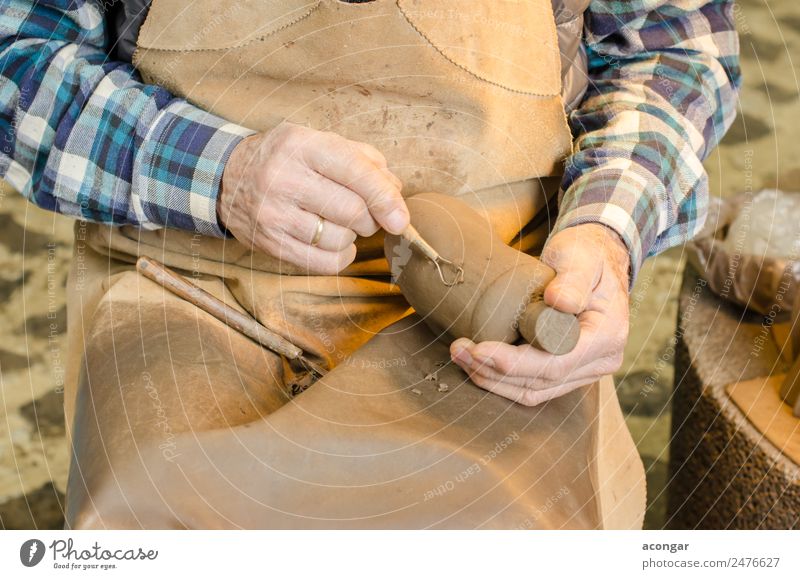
548,329
416,240
248,326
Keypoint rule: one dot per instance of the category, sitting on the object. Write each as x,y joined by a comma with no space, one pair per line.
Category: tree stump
724,472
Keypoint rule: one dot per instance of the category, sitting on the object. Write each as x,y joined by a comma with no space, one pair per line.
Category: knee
124,497
96,509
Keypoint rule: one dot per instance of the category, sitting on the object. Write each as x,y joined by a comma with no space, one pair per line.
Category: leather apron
463,101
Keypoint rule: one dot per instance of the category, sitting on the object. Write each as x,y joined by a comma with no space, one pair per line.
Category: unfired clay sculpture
499,298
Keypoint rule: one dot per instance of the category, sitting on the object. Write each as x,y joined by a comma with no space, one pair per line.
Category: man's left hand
591,264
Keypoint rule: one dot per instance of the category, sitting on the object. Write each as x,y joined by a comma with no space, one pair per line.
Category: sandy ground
761,150
35,247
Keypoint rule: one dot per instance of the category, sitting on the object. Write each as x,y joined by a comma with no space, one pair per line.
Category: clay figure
500,296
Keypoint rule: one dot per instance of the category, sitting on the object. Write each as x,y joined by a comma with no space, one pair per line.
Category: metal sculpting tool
416,240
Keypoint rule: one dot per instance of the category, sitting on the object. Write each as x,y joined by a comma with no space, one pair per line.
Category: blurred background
762,150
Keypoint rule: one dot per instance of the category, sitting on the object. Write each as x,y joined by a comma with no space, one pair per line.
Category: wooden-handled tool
240,322
416,240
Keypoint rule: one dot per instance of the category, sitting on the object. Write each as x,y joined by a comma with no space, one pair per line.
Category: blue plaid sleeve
83,136
663,85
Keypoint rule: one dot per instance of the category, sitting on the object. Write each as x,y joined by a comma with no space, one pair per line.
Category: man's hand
591,263
277,185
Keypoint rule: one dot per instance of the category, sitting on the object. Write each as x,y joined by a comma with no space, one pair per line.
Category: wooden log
724,471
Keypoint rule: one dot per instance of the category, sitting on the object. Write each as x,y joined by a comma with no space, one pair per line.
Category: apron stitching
461,66
243,43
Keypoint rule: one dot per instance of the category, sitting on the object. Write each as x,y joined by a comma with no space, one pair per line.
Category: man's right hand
277,185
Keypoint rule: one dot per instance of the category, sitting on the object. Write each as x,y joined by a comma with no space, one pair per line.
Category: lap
182,422
373,444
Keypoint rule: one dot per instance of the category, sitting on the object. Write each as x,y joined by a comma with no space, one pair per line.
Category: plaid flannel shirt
82,135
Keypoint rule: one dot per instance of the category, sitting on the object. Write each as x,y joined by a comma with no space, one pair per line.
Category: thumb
577,274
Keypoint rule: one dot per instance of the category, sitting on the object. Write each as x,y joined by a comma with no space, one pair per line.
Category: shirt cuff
617,199
178,169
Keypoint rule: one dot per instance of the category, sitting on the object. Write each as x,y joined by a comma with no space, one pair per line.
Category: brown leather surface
428,86
127,16
183,423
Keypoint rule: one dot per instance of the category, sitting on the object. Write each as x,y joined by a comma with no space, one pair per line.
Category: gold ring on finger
318,232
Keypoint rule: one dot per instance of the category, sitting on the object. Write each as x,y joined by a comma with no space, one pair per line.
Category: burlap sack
761,283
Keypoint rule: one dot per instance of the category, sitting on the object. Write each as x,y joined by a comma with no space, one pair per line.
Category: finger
380,161
577,274
489,374
589,371
525,361
486,366
374,154
527,396
377,157
303,226
347,164
460,351
312,259
338,204
395,179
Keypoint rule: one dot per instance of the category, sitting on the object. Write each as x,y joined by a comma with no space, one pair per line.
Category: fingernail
396,221
463,355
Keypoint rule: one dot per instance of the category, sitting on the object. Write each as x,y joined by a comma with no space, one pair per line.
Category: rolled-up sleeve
84,136
663,82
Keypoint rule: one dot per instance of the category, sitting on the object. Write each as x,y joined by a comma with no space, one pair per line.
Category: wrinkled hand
591,264
276,185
